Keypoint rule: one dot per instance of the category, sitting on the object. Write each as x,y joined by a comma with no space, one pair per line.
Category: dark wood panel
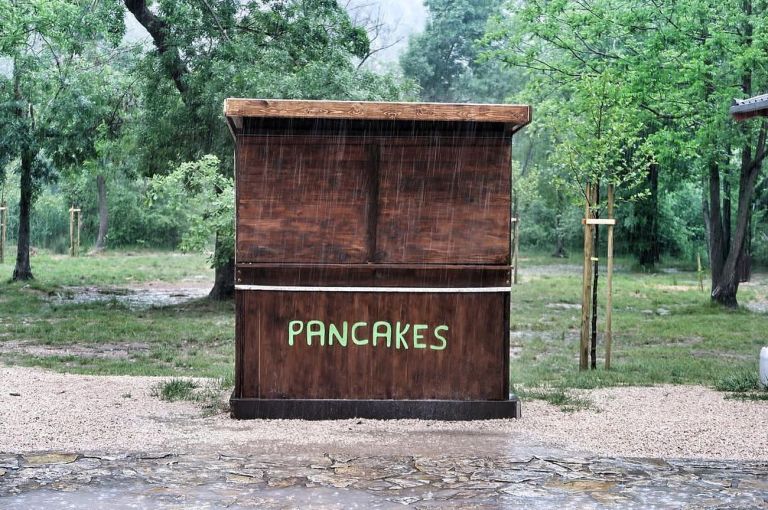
301,202
471,366
374,130
444,203
374,275
286,108
327,409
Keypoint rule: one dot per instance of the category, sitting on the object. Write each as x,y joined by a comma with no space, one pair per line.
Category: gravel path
42,410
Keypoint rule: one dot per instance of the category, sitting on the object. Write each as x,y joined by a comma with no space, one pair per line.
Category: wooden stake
3,227
609,283
77,238
71,231
700,272
516,250
586,294
74,238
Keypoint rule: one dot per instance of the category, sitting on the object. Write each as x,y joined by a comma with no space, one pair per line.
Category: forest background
632,93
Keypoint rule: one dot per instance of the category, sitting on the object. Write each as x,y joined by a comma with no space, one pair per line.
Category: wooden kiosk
372,259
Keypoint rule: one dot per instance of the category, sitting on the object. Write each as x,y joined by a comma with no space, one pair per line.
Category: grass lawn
665,329
193,339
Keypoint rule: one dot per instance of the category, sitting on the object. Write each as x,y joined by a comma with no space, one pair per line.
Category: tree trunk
716,251
706,214
744,261
725,284
224,283
23,270
648,231
559,252
224,280
727,208
559,236
101,238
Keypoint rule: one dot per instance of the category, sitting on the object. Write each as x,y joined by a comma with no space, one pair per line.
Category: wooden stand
3,227
374,259
74,235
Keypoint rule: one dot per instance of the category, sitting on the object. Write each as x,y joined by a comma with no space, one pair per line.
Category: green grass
175,389
560,397
108,268
193,339
665,330
743,385
211,396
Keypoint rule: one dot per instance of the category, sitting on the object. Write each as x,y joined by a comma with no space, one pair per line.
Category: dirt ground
42,410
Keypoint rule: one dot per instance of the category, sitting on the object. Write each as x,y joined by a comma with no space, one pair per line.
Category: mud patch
678,288
758,306
564,306
100,351
705,353
135,298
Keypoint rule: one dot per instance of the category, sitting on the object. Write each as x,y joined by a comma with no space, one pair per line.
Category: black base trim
322,409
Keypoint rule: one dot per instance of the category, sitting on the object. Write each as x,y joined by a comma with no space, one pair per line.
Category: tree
44,117
680,63
207,51
199,191
444,59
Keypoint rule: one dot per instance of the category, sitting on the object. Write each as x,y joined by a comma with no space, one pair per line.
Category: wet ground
136,298
166,481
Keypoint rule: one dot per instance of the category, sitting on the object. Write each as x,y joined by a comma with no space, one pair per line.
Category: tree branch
159,31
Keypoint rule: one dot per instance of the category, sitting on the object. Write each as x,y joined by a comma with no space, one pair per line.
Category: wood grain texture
391,200
300,202
444,202
283,108
473,365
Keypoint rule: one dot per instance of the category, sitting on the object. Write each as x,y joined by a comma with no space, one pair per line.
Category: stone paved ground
169,481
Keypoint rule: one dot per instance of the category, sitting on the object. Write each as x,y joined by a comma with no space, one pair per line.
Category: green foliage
133,222
664,73
198,192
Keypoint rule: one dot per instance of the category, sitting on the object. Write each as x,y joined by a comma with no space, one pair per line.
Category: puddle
134,298
757,306
127,496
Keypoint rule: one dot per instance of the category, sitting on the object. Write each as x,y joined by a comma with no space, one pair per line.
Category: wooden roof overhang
513,117
743,109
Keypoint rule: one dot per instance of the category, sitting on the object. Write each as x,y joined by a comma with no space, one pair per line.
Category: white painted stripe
373,289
